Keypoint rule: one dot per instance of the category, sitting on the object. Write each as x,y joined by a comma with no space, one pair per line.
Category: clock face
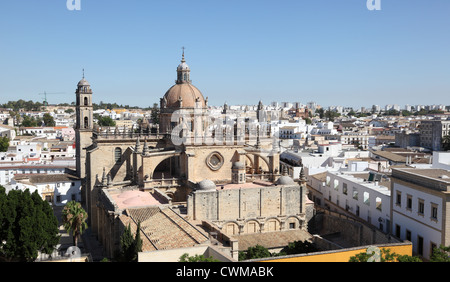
214,161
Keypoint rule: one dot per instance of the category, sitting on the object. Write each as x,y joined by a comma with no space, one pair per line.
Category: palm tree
74,219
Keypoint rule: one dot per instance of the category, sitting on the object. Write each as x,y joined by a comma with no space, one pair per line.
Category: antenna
45,96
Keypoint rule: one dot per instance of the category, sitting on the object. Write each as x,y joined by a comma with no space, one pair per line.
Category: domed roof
83,82
183,66
206,185
188,93
238,165
285,180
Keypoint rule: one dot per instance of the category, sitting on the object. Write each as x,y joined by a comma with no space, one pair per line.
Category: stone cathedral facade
237,185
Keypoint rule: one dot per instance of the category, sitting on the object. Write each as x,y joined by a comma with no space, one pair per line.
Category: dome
285,180
238,165
182,66
206,185
188,93
83,82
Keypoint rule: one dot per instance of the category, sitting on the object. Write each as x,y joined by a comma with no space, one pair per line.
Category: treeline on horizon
38,106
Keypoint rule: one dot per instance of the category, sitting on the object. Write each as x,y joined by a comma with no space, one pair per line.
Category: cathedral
191,167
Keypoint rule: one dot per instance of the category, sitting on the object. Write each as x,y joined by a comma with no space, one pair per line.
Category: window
355,193
117,154
86,101
336,184
344,188
86,122
58,198
378,203
291,225
433,246
398,200
420,245
408,202
434,211
215,161
366,198
397,231
408,235
421,207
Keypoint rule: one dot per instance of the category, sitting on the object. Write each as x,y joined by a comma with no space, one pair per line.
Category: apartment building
364,195
420,200
58,189
432,132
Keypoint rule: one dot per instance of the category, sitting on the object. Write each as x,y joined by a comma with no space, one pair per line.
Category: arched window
86,101
117,154
86,122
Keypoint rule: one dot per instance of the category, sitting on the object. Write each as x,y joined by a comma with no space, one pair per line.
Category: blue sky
333,52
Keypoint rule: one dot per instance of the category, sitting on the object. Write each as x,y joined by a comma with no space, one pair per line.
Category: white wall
334,192
420,225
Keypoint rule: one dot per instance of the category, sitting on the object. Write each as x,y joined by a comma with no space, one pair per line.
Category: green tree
331,115
155,114
406,113
298,247
321,113
257,251
385,255
4,144
27,226
391,112
129,246
440,254
48,120
74,220
30,122
106,121
197,258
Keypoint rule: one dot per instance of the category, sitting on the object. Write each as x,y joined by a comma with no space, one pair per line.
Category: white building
58,189
7,172
356,193
419,208
324,128
362,140
7,131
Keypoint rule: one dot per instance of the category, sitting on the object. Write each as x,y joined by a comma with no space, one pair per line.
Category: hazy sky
333,52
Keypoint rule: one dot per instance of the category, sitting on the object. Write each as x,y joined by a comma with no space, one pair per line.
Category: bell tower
183,72
84,124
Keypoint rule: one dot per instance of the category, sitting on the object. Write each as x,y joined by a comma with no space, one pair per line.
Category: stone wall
353,232
232,204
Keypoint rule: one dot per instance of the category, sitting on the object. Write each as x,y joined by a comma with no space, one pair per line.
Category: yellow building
343,255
